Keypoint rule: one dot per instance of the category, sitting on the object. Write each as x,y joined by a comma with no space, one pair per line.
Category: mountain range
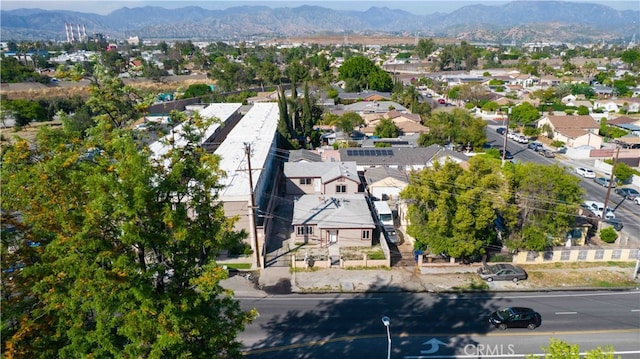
522,21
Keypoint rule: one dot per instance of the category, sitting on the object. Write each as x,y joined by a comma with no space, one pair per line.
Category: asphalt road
425,325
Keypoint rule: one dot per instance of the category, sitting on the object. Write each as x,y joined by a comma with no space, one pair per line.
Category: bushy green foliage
559,349
386,128
457,126
196,90
608,235
359,72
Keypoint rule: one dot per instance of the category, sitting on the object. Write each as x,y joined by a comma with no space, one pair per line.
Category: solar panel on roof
360,152
389,152
367,153
350,153
378,153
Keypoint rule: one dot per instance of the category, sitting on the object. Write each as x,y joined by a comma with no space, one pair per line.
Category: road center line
561,313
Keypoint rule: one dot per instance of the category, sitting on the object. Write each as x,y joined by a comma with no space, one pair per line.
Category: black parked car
615,223
501,130
507,156
627,193
515,317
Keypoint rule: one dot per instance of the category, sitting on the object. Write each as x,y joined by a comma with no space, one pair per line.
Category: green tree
114,101
197,90
347,122
452,210
583,110
631,57
425,48
524,114
623,172
559,349
457,126
547,198
124,265
386,128
283,122
473,93
26,111
362,73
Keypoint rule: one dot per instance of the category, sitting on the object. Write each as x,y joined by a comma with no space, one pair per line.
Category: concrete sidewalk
280,280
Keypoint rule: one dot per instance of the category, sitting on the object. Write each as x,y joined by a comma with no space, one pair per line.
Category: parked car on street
501,271
507,154
501,130
535,145
521,139
562,150
442,101
585,172
515,317
615,223
598,207
604,182
547,153
627,193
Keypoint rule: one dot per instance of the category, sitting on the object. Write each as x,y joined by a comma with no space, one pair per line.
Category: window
302,230
305,180
366,234
341,188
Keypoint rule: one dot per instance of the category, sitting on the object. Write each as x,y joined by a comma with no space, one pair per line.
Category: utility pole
252,218
611,178
506,132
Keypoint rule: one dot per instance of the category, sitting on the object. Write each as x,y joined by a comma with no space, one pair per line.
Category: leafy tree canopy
547,198
452,210
124,262
525,114
457,126
363,73
386,128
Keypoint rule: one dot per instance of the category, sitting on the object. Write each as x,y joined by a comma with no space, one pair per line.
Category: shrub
608,235
557,144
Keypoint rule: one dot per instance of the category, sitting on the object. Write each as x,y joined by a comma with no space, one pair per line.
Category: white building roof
257,128
221,111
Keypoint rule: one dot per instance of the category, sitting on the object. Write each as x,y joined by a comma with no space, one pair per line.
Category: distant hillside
518,20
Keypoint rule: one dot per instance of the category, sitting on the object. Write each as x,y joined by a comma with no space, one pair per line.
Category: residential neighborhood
159,192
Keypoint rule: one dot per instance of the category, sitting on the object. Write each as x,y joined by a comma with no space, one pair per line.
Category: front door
333,236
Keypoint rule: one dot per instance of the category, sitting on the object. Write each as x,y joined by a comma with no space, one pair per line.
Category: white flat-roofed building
221,111
258,129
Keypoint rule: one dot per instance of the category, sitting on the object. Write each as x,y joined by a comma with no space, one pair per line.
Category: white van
385,215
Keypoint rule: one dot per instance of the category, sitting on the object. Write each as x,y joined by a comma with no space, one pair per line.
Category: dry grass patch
601,277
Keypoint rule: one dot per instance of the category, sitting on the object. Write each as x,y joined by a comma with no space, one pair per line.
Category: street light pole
386,322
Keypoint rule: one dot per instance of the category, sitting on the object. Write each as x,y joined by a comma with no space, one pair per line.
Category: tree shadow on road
349,325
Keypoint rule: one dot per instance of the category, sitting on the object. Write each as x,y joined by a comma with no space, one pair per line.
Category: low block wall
577,255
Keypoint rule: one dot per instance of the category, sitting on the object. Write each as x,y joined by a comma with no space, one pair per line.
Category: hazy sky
419,7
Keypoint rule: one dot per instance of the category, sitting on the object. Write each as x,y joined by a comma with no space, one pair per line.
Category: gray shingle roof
389,155
376,174
327,171
304,155
346,211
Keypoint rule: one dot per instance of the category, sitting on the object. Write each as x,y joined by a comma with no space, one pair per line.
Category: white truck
385,215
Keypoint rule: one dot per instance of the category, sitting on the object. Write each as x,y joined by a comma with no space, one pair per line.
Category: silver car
501,271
